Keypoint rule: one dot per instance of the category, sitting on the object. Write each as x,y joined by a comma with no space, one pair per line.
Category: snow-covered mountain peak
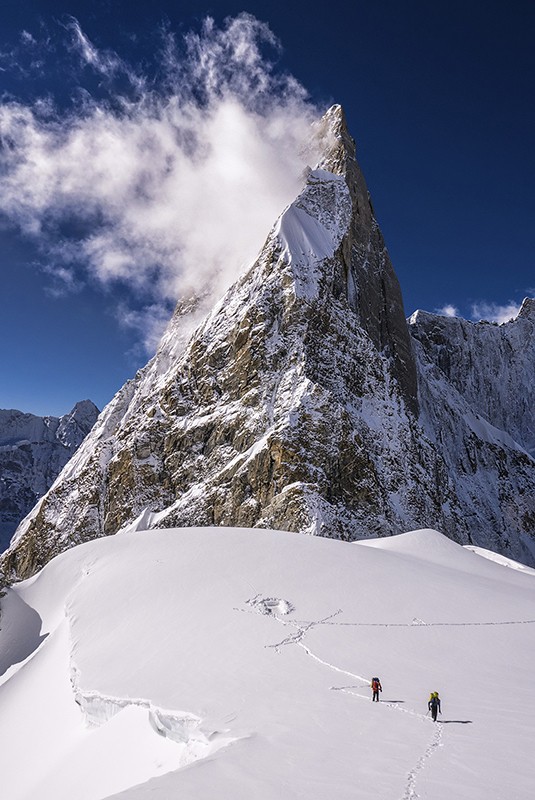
74,426
301,402
339,150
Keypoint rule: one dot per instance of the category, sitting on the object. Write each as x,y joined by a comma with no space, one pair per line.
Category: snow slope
250,653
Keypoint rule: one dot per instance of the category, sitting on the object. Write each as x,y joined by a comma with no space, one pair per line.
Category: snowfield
230,663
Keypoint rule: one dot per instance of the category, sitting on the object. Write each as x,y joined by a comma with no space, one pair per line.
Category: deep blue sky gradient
440,99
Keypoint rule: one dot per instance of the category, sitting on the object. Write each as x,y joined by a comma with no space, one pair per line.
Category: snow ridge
98,709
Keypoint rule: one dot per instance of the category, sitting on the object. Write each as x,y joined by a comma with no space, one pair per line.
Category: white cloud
151,319
106,63
170,188
494,312
27,38
448,310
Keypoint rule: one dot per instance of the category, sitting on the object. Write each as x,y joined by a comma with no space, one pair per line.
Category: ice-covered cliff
477,404
300,403
491,366
33,451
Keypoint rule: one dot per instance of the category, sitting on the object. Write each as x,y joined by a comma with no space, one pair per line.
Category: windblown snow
311,229
235,663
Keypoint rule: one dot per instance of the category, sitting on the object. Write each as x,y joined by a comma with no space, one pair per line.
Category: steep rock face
477,400
294,405
372,287
491,366
33,451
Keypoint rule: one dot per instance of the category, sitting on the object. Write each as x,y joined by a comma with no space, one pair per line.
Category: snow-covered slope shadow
20,633
266,642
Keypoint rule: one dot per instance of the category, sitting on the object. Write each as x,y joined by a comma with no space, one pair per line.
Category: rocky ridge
300,403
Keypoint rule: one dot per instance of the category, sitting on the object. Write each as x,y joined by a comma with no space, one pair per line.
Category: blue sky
97,239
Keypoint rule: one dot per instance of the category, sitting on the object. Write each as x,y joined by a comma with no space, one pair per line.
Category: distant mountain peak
84,407
33,451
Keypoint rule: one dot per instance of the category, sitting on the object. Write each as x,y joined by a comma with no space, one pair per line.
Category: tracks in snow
421,624
436,741
302,628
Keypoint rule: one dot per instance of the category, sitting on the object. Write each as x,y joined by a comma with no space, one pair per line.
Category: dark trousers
434,710
376,696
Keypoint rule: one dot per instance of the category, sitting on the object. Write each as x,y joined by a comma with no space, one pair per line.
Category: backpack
375,684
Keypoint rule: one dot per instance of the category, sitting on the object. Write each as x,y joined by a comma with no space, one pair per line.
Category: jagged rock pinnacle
339,147
378,300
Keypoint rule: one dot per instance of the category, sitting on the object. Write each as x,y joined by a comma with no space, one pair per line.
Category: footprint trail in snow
270,606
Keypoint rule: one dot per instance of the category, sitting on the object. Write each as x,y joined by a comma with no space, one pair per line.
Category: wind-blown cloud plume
495,312
483,310
167,185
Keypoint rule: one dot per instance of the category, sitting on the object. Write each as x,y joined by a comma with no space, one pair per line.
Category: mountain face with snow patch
491,366
305,402
477,404
33,451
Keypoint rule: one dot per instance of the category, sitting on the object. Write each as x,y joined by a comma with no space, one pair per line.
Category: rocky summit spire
376,294
292,406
